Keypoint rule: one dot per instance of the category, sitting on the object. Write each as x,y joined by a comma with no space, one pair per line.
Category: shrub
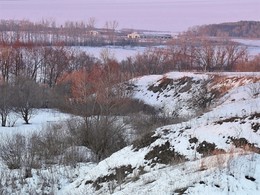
13,151
143,124
75,154
104,135
204,96
52,146
254,90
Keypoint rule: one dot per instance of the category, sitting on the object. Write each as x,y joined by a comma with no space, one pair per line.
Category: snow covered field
40,119
252,44
175,159
120,53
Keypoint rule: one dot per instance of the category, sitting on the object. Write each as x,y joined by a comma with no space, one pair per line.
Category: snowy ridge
174,159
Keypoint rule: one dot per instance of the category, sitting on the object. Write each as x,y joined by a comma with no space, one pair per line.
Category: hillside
157,163
242,29
213,147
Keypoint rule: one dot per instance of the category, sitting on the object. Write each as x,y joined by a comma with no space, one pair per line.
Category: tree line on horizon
241,29
49,33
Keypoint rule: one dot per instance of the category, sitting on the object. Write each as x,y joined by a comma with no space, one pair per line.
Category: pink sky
170,15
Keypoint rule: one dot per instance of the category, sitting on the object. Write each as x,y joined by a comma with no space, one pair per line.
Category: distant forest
81,33
48,33
242,29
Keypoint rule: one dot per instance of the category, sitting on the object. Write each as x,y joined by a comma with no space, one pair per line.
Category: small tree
104,135
27,98
111,27
6,102
204,96
13,151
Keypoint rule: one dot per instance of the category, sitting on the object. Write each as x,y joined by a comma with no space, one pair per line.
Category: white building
133,35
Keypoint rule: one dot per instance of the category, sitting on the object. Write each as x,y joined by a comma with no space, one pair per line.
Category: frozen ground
252,44
234,169
38,122
119,53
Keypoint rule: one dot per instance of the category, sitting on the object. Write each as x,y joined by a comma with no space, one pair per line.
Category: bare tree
204,96
91,23
27,98
56,63
104,135
33,58
218,55
205,55
235,54
6,102
6,62
111,27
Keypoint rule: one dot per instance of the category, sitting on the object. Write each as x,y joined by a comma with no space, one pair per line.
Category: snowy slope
166,97
178,158
174,90
216,152
232,174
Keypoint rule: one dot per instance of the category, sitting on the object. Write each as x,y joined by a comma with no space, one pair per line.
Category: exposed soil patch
255,126
164,154
180,191
193,140
254,116
119,176
144,141
207,149
250,178
240,142
229,120
243,143
185,83
164,82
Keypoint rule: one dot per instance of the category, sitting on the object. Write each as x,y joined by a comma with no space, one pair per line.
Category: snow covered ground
252,44
233,170
38,122
119,53
216,175
214,153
